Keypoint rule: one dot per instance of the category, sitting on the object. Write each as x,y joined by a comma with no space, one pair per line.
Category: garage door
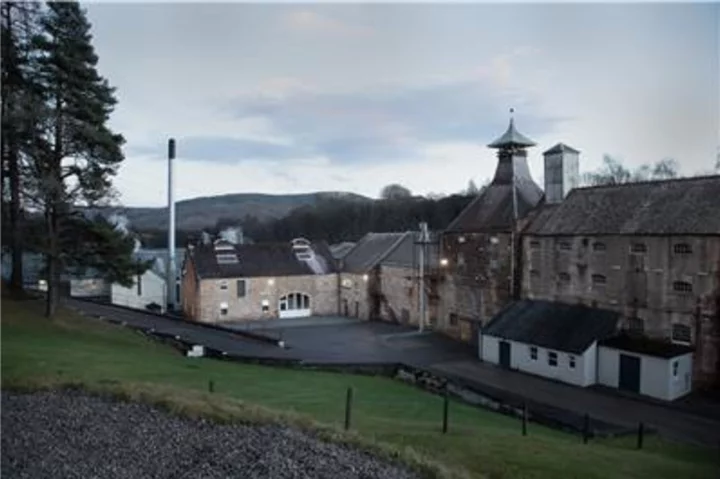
295,305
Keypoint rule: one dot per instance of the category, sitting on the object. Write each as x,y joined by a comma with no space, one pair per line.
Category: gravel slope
72,435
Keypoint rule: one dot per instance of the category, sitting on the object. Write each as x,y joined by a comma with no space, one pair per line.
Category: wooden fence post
446,405
524,418
641,432
348,407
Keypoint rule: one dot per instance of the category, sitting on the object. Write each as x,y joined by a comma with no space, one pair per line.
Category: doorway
629,374
504,351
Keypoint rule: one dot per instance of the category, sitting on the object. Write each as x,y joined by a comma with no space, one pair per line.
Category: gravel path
72,435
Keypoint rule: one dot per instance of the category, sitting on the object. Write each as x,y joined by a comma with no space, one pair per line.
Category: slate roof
261,260
341,249
560,148
405,253
511,138
671,207
647,346
370,250
563,327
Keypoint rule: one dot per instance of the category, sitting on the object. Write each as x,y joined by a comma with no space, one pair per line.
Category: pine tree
19,24
77,153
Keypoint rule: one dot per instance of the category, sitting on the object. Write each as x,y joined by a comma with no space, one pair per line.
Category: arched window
294,301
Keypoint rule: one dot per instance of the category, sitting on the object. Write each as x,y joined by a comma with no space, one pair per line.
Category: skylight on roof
225,258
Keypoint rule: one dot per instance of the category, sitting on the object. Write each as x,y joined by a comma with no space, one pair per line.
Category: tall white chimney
171,266
562,172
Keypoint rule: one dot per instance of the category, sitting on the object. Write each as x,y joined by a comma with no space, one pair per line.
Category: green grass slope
76,350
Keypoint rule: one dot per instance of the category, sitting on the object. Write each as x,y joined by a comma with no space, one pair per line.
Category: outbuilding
550,339
650,367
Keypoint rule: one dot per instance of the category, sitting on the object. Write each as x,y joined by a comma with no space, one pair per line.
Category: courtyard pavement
343,340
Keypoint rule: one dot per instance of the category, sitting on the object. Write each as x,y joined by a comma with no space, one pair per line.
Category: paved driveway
669,422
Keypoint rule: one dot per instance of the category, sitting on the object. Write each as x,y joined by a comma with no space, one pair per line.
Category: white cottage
147,291
580,345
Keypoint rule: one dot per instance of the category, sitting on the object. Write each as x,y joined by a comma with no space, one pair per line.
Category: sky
292,98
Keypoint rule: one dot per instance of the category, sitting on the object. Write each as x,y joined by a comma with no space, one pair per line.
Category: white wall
656,379
581,375
152,291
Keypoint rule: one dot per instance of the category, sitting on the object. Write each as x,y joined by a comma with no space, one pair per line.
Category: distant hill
199,213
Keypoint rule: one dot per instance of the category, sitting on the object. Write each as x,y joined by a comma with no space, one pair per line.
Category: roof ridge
646,182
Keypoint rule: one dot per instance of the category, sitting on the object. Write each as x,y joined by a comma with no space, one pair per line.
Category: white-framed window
552,358
265,305
533,353
681,333
571,361
223,309
294,301
223,285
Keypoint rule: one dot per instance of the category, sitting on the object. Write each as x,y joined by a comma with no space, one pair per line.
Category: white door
295,305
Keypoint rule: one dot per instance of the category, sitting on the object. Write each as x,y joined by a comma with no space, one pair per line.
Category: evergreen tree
472,188
19,24
77,153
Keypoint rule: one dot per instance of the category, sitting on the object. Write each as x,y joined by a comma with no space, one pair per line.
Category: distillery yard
393,420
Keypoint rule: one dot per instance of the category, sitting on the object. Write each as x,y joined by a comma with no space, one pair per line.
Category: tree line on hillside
57,150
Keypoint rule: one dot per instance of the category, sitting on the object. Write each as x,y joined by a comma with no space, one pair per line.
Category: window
534,273
139,285
599,279
552,358
533,353
223,284
294,301
265,305
682,287
565,246
635,326
223,309
682,248
453,319
598,246
571,361
347,283
638,248
564,277
226,258
535,244
241,288
675,366
681,333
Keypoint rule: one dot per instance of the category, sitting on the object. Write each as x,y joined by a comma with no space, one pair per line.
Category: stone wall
262,296
477,281
354,295
636,276
190,297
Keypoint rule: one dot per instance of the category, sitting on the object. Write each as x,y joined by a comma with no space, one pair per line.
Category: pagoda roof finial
511,137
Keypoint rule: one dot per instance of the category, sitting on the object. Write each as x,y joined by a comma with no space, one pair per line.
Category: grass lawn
73,349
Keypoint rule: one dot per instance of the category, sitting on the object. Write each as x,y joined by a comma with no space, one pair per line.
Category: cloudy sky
295,98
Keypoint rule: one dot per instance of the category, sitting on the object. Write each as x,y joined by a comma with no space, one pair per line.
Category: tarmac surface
347,341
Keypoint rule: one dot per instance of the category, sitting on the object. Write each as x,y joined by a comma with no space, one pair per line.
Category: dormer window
599,246
682,248
226,258
638,248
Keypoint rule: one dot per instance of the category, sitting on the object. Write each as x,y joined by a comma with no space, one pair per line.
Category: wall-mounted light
271,281
494,240
443,262
365,277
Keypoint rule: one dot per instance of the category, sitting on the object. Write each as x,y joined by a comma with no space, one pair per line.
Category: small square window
682,248
453,319
223,285
552,358
533,353
565,246
571,361
638,248
223,309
